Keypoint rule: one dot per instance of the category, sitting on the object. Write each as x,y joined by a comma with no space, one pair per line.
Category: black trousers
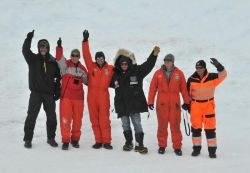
35,102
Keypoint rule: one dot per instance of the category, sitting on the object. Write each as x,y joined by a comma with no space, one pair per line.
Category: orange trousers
71,112
171,115
99,107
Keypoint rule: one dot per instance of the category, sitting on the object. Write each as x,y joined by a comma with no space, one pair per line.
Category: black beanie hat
99,54
124,59
43,43
200,64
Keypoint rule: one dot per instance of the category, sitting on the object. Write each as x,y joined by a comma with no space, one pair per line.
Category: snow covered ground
191,30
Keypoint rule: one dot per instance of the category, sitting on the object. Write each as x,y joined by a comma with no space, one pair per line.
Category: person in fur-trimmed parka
129,99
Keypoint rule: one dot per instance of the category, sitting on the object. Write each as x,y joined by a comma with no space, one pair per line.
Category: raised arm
27,53
86,51
148,65
61,61
222,73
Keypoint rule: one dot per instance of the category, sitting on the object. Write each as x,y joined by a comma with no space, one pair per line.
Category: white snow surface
191,30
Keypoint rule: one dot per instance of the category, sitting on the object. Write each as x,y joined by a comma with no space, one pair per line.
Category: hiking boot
178,152
212,156
65,146
107,146
52,142
161,150
97,145
75,144
28,144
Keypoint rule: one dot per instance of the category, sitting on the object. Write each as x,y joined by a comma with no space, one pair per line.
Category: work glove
216,63
186,107
30,35
59,42
156,51
151,107
85,35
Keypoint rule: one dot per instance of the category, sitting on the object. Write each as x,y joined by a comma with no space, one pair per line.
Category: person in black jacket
129,99
44,84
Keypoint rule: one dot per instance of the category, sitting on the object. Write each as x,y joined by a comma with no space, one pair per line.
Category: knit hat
200,64
75,52
99,54
169,57
43,43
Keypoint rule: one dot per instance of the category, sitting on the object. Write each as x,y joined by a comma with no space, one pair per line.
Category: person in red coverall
169,81
72,95
99,77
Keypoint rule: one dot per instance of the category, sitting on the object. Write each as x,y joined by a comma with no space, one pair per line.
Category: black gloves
59,42
85,35
216,63
30,35
186,107
151,107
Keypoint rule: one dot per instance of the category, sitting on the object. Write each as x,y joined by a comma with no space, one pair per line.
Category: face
43,50
124,66
200,70
100,61
75,58
168,64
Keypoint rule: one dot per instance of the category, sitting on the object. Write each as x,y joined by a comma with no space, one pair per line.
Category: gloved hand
156,51
85,35
186,107
30,34
59,42
57,96
151,107
216,63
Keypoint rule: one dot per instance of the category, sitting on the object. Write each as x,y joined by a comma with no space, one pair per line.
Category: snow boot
52,142
161,150
140,148
196,151
107,146
65,146
97,145
178,152
129,138
28,144
212,152
75,144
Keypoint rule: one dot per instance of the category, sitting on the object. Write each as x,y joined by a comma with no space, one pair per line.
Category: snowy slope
191,30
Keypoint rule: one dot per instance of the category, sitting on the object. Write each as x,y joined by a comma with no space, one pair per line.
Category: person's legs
77,120
33,110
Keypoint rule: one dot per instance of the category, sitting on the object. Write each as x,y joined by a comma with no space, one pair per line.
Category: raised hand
59,42
30,34
156,50
214,61
85,35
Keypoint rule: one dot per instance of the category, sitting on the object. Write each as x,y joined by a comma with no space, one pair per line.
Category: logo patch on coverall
177,77
106,72
116,84
133,80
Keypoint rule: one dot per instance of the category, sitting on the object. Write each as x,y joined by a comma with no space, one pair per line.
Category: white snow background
191,30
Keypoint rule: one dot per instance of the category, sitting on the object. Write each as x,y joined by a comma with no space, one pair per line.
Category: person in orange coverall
168,81
100,75
72,95
201,86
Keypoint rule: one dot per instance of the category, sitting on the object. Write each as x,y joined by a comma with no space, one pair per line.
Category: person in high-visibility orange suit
100,75
168,81
201,86
72,96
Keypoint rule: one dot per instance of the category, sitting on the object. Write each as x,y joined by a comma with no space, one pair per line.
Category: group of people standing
52,78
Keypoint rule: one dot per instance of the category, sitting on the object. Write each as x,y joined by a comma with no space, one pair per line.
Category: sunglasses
100,58
74,55
124,64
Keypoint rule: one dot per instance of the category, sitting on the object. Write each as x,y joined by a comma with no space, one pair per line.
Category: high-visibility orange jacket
168,104
98,96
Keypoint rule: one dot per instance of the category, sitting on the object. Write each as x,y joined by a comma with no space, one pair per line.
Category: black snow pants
35,102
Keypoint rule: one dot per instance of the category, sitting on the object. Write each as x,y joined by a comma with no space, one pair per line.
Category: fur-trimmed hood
124,52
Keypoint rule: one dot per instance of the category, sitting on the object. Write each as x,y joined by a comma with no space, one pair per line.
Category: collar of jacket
195,75
163,67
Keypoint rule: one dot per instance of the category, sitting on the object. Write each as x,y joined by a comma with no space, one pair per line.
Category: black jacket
44,73
129,95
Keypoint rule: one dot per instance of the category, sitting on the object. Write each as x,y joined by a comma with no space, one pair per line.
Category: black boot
212,152
107,146
140,148
196,151
129,138
75,144
97,145
178,152
161,150
52,142
65,146
28,144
